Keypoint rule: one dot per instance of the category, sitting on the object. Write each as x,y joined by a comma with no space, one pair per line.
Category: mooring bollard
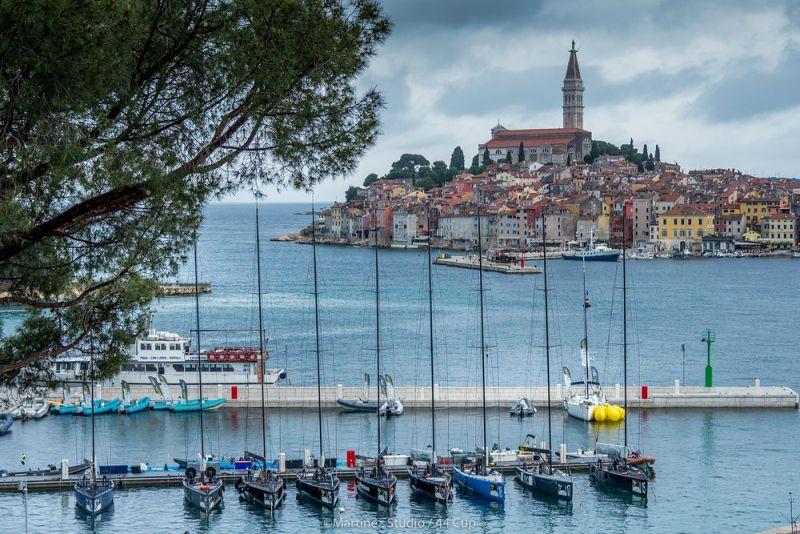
758,383
64,469
616,391
558,392
436,392
282,462
677,387
339,393
562,450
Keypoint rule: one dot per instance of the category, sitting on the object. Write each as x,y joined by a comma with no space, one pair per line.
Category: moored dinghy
163,392
130,405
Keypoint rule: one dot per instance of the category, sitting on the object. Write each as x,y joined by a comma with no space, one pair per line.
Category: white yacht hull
580,410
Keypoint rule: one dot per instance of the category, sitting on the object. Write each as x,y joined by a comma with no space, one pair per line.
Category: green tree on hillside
440,172
120,120
658,154
508,156
521,153
351,193
370,179
408,167
457,159
645,155
486,159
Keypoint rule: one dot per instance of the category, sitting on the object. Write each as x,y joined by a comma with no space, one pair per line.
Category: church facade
550,145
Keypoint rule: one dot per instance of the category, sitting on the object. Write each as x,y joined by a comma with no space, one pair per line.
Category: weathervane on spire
573,46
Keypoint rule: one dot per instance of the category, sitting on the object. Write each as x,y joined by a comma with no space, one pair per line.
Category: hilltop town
581,186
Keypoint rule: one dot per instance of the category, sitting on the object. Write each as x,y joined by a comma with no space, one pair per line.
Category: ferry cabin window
216,368
150,368
190,368
178,367
228,368
142,346
84,366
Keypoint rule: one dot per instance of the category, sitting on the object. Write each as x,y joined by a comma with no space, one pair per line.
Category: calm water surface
717,470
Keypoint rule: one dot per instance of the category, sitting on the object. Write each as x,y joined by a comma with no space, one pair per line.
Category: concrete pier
471,262
657,397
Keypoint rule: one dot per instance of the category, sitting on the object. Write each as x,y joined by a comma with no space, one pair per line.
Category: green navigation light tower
708,339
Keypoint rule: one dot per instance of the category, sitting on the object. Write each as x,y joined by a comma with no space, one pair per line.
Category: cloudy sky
714,84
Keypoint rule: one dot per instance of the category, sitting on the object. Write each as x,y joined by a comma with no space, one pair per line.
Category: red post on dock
645,393
234,392
351,458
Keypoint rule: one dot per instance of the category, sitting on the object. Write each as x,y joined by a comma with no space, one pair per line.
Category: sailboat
588,403
431,480
262,487
93,495
379,484
618,472
321,485
202,488
541,477
481,480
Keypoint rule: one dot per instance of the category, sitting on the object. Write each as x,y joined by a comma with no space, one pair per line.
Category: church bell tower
573,92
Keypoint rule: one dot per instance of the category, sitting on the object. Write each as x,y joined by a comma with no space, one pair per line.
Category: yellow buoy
621,413
600,413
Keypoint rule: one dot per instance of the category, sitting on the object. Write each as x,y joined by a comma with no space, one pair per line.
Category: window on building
663,233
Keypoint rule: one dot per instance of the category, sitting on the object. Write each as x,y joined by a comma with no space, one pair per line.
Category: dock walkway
656,397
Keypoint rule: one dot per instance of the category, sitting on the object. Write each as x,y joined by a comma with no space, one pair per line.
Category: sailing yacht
619,472
431,480
585,403
321,485
541,476
93,495
202,487
377,485
262,487
479,479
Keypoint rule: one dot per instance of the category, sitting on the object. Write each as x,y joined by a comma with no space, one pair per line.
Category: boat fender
211,473
191,473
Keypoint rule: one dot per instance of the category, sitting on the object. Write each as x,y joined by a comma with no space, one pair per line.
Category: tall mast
199,363
430,331
624,319
316,324
260,338
547,344
483,346
377,329
585,330
91,395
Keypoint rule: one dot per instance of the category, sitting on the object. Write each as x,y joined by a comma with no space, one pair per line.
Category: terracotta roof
685,209
514,143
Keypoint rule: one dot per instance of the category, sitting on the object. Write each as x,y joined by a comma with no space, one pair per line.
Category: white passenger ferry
169,354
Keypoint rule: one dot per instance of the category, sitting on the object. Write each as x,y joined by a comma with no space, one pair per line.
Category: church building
549,145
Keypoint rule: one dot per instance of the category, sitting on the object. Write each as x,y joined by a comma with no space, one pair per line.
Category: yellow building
683,227
778,230
756,208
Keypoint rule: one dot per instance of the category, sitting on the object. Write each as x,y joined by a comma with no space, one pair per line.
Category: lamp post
708,340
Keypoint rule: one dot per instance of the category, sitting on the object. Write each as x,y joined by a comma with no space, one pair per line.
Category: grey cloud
749,91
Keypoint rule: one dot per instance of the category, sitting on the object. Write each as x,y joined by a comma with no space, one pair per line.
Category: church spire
572,90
